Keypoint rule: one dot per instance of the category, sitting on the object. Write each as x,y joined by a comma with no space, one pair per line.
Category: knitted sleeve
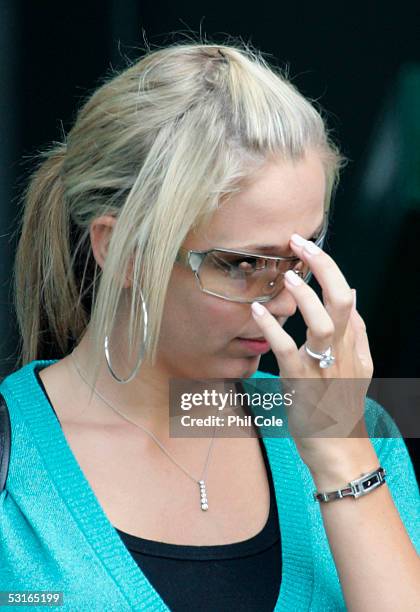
395,459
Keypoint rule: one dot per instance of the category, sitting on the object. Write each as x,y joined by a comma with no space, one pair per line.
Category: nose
282,305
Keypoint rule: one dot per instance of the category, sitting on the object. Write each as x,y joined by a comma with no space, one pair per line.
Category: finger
282,345
335,289
320,331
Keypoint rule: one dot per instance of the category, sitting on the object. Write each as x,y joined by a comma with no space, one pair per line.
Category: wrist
341,467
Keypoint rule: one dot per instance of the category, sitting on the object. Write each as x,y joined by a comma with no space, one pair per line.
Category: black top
244,576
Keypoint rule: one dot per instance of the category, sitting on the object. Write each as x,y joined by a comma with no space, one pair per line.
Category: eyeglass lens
246,277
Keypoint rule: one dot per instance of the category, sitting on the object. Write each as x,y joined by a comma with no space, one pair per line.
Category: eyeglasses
245,277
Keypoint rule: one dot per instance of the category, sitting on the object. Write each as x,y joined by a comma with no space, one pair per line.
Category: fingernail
257,309
293,278
297,239
354,297
311,248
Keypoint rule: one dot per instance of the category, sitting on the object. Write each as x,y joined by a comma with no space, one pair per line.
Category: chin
242,368
219,366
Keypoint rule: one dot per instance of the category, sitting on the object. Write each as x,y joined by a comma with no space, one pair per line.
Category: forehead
283,197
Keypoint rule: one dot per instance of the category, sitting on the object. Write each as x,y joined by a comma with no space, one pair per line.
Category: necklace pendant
203,495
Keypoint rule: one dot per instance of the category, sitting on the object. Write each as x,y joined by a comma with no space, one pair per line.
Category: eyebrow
272,247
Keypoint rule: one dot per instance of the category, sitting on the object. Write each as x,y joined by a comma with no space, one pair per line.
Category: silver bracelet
355,488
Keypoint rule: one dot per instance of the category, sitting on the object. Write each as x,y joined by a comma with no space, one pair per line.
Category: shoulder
22,375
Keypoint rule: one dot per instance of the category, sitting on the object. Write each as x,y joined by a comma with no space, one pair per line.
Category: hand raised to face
333,322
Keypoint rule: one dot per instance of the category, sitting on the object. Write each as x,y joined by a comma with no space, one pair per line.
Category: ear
101,230
100,236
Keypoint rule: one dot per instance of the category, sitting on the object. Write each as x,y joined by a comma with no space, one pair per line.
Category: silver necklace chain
201,482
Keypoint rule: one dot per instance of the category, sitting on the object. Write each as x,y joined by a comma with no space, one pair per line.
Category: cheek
224,317
191,315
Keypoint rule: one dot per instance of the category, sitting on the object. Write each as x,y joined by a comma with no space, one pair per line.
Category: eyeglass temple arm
192,259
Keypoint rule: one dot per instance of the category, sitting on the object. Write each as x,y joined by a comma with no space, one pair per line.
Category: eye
248,264
238,264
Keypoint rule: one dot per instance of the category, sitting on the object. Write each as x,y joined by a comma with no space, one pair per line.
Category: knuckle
367,365
344,302
326,331
360,322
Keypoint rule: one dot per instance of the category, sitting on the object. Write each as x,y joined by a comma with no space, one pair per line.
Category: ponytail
47,302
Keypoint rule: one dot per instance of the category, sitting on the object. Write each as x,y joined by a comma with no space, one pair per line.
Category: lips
254,346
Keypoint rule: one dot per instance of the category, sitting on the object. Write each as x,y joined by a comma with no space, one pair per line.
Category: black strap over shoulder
5,441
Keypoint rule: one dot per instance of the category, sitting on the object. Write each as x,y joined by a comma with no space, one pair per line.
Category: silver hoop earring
141,354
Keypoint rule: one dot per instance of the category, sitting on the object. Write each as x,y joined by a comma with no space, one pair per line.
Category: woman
155,244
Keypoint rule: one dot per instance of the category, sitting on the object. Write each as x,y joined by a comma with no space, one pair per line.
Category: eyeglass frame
194,258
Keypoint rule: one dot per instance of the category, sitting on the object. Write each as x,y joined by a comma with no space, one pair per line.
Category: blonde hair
160,146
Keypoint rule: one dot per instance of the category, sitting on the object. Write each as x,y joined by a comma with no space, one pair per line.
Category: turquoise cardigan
54,535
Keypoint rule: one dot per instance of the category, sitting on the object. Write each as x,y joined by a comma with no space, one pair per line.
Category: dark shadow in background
54,55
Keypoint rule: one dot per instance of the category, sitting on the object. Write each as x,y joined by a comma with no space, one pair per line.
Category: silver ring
325,358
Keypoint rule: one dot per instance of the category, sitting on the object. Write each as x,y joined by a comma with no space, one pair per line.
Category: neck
144,400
